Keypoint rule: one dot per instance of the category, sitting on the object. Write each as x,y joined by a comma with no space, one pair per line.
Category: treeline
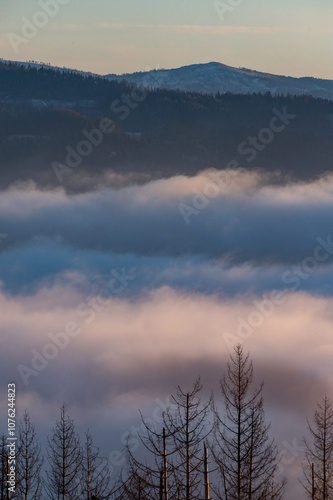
46,83
175,132
193,451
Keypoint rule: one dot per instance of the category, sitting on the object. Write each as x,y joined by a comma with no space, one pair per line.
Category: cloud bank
111,297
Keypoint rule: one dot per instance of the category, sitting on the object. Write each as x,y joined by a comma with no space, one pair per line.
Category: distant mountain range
47,114
214,77
42,65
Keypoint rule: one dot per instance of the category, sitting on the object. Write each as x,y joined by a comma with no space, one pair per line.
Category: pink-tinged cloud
127,353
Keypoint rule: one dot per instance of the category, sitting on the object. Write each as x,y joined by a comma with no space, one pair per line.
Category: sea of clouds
141,287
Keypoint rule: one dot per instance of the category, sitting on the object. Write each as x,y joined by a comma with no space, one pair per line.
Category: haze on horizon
162,273
126,36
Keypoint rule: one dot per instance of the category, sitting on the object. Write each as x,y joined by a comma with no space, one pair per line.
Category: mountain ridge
209,78
215,77
159,132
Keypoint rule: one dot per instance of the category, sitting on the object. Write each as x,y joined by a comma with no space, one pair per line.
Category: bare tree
187,425
95,481
176,463
65,458
3,468
244,453
318,464
30,461
137,486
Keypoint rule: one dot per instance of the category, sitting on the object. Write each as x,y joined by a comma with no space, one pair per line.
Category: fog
110,298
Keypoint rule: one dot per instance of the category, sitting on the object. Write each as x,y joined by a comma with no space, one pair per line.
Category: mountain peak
214,77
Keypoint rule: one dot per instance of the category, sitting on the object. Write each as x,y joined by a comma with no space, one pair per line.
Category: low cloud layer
128,353
245,220
130,345
112,297
254,234
46,263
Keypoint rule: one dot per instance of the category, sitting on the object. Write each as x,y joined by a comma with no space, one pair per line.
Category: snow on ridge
216,77
211,78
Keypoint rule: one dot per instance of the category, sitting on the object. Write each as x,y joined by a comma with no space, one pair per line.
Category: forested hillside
160,132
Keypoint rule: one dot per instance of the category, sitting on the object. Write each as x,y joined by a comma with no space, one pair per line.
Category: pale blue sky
106,36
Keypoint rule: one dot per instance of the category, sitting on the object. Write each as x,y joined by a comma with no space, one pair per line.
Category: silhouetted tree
65,459
318,464
30,461
244,453
3,468
95,481
137,486
175,466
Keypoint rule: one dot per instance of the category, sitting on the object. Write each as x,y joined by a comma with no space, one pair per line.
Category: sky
111,297
119,36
